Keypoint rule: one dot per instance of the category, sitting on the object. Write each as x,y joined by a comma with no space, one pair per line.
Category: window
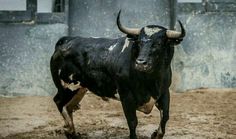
9,5
45,6
17,10
189,1
33,11
49,6
52,11
220,5
202,6
190,6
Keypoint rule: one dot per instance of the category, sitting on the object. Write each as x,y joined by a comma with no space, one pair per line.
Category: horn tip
119,11
118,18
179,21
182,28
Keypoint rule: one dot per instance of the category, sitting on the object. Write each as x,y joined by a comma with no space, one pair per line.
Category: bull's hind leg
67,102
163,106
67,112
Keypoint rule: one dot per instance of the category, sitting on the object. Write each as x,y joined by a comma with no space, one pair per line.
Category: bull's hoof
132,137
155,135
73,135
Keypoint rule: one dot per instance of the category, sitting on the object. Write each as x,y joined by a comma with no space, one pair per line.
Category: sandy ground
196,114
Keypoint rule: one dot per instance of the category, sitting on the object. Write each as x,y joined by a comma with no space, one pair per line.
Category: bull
136,68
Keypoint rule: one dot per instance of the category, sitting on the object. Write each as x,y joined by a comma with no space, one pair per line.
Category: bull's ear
132,37
174,41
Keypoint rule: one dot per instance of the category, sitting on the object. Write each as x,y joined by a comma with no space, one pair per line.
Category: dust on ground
196,114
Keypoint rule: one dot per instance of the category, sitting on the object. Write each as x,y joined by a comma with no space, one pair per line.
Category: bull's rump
84,61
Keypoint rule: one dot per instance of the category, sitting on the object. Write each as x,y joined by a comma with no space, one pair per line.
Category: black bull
136,68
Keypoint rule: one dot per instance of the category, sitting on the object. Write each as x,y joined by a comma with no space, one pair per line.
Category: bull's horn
175,34
129,31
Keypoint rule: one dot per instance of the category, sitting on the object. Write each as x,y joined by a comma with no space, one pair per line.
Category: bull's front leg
129,107
163,106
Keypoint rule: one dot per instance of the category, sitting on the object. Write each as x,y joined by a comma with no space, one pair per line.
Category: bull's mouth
143,68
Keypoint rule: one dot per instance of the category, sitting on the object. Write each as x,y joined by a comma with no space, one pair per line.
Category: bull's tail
57,60
54,67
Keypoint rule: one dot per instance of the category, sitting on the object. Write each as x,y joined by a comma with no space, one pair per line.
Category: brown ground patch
196,114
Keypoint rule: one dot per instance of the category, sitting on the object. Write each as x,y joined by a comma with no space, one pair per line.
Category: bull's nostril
145,63
141,62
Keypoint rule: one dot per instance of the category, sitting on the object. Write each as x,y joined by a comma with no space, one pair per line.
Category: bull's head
152,42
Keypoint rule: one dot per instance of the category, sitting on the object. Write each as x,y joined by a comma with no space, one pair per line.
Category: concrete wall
206,58
98,17
25,52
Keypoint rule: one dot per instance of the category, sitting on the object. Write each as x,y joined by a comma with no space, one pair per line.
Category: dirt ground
195,114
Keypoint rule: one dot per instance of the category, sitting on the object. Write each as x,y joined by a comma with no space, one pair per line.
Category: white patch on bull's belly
151,31
147,107
112,47
117,96
125,45
71,77
71,86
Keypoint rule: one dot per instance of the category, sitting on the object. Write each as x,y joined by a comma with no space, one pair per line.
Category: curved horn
175,34
130,31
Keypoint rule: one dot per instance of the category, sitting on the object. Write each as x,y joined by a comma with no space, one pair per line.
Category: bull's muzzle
142,65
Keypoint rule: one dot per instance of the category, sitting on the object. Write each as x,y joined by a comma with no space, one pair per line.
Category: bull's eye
158,43
156,47
139,43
